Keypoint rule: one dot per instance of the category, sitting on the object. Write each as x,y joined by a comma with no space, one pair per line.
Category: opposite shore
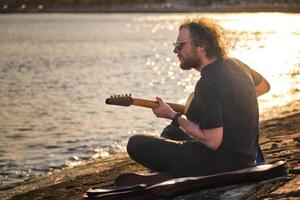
279,140
47,7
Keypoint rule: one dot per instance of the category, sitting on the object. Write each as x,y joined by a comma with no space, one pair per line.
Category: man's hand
164,110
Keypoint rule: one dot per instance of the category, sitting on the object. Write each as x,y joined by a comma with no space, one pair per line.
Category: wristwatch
175,119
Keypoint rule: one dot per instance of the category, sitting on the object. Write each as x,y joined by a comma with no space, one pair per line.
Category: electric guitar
128,100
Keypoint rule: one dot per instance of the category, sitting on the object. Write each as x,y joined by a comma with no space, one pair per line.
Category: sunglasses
179,44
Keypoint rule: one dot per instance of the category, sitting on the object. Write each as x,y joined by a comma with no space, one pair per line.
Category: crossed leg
178,158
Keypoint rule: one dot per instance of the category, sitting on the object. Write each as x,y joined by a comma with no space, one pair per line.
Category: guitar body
188,102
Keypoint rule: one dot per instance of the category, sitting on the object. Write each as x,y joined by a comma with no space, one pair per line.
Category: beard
187,64
190,62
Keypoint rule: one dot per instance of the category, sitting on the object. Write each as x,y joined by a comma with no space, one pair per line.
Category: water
56,70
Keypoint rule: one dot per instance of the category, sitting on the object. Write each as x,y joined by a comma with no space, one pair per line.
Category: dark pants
178,155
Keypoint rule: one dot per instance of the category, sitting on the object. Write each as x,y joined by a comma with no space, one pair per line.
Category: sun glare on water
270,44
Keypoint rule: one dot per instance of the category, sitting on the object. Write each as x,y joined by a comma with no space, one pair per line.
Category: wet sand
280,139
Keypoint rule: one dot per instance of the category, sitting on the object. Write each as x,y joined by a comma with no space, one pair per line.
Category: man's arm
212,138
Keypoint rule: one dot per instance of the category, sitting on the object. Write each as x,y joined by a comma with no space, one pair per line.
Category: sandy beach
279,139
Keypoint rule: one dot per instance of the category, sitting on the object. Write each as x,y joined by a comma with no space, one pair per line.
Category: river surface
56,70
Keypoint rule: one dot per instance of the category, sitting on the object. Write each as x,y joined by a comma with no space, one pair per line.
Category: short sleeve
208,106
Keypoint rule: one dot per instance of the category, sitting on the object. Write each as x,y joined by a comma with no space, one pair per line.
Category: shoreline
279,139
146,8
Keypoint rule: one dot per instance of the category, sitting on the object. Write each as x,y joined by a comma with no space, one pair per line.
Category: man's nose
175,50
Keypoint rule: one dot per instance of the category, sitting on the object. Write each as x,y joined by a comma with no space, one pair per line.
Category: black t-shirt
225,97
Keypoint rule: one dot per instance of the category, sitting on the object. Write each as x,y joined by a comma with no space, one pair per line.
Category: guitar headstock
120,100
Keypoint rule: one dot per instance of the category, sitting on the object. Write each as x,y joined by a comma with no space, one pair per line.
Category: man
221,126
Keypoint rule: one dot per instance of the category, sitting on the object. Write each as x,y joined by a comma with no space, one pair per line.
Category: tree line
120,2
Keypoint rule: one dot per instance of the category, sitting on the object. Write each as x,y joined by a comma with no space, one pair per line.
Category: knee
134,145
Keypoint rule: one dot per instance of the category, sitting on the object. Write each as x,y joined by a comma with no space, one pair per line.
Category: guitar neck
154,104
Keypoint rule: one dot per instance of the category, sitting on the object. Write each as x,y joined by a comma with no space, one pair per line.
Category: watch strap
175,119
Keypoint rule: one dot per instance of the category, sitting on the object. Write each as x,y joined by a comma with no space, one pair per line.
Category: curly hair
207,34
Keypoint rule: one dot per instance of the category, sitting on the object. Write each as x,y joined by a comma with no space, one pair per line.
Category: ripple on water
16,136
72,141
35,146
25,129
49,129
52,146
8,163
